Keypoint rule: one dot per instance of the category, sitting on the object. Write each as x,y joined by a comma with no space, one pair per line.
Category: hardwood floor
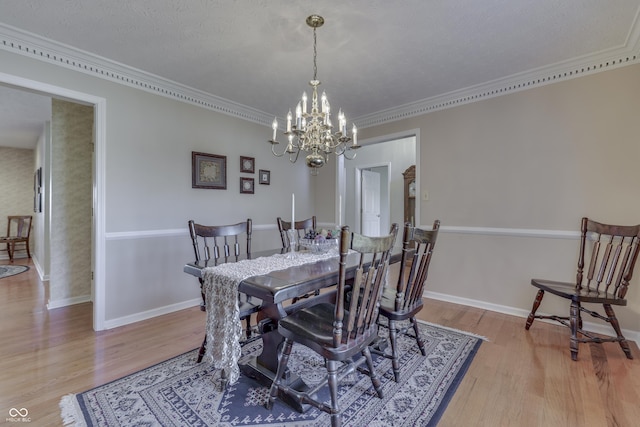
518,378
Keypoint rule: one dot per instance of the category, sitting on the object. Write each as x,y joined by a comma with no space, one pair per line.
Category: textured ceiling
373,55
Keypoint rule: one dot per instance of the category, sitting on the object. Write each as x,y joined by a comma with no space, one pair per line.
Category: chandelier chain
315,54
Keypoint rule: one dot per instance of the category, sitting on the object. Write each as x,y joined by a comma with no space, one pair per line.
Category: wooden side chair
218,244
340,331
18,233
614,251
405,301
300,226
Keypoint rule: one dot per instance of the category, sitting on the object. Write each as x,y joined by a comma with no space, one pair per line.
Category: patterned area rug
180,392
11,270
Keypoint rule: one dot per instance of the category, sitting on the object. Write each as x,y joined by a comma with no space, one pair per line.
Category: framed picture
208,171
264,177
247,164
246,185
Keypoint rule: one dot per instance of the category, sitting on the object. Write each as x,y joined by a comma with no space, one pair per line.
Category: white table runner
224,328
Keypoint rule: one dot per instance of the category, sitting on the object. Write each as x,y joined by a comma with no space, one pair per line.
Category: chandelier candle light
312,131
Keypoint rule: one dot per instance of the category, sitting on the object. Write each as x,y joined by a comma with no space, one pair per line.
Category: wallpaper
16,186
71,200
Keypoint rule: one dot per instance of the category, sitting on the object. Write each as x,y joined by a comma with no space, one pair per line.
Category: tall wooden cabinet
410,194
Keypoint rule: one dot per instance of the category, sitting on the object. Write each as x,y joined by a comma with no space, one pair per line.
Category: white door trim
99,111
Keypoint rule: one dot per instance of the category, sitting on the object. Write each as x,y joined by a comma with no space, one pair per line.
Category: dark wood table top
281,285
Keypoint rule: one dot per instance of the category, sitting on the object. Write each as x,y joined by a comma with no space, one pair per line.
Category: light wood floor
518,378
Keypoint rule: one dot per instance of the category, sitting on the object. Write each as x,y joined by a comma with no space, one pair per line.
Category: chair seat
313,327
568,290
388,307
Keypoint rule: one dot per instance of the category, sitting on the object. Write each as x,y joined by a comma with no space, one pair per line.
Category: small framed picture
246,185
264,177
247,164
208,171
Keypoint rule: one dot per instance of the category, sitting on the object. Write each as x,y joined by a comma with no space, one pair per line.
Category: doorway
97,291
389,155
374,200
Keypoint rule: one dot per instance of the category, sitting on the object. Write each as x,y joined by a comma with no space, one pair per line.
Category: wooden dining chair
218,244
614,251
339,331
18,233
301,228
405,300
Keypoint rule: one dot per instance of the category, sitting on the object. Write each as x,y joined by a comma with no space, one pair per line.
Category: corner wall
510,177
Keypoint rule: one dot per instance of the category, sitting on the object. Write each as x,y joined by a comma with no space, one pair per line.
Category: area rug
180,392
11,270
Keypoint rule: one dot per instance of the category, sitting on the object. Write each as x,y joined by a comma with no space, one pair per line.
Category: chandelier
311,130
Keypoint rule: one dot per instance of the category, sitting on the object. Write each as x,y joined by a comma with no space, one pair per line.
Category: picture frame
264,177
247,185
208,171
247,164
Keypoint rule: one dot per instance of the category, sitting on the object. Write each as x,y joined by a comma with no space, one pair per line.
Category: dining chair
300,226
405,300
614,251
218,244
339,331
18,233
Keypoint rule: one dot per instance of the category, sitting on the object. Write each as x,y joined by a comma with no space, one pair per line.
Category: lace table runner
224,328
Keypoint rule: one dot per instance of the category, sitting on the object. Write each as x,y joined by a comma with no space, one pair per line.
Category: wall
71,203
148,194
510,177
16,187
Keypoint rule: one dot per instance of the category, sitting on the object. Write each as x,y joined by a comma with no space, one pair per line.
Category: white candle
340,211
275,127
304,102
289,117
293,211
354,133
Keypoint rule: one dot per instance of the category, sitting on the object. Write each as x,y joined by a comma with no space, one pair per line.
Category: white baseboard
518,312
137,317
68,301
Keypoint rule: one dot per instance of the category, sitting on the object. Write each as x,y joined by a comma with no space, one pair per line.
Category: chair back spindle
614,251
355,320
410,286
228,247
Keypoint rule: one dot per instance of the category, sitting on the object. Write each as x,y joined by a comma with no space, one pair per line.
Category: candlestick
293,211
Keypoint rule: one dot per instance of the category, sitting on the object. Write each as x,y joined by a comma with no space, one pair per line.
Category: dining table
276,289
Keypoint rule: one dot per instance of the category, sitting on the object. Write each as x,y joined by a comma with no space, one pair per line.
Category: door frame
99,104
341,178
385,203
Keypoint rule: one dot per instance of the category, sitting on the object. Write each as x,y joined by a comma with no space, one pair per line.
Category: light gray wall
149,198
510,177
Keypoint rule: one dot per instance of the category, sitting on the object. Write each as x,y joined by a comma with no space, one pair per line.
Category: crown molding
34,46
589,64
